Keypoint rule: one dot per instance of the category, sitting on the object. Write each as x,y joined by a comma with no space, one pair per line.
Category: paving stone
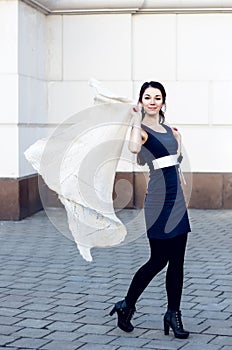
41,294
29,343
33,333
222,340
47,288
12,304
165,344
69,302
52,299
95,305
62,345
99,347
6,339
202,347
36,314
211,306
8,320
135,348
70,296
198,339
59,316
41,300
7,311
97,338
38,307
229,308
63,336
190,313
63,326
217,315
206,293
66,309
129,341
14,298
53,276
94,329
220,331
91,319
9,329
23,286
14,291
34,323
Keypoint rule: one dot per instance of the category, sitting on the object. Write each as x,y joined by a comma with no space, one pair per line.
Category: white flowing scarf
79,162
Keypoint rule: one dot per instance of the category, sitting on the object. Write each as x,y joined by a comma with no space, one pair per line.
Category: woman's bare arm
135,142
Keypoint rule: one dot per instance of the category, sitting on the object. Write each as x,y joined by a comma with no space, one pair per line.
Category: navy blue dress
165,208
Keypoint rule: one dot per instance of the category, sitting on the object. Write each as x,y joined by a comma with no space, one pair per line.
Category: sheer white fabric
79,162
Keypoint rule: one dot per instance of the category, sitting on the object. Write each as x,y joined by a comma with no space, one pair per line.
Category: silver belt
164,162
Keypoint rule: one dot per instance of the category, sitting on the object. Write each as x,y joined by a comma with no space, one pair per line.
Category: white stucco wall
23,84
189,53
32,111
49,59
8,88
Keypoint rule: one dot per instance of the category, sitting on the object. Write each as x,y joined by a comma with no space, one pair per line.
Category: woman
166,215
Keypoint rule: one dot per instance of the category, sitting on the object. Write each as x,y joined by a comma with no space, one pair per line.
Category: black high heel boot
125,314
173,319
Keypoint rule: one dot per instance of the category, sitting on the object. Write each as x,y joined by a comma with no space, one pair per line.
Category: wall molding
50,7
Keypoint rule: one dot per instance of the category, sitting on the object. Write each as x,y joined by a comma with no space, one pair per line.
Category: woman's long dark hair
156,85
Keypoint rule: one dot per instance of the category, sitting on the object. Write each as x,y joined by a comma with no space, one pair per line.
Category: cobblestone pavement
51,299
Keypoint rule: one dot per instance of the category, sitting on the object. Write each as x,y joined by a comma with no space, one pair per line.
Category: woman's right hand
135,108
135,141
137,116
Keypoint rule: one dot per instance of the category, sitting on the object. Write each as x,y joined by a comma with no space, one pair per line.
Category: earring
163,109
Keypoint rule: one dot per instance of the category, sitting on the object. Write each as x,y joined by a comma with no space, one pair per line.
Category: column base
19,197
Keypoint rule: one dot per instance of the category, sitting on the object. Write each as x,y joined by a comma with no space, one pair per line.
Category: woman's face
152,101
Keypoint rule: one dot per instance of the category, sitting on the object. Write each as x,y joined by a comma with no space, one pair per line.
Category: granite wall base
20,197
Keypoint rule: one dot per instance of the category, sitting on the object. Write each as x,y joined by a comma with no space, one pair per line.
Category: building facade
50,49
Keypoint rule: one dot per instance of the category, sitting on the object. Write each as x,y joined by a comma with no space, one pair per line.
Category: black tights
163,251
